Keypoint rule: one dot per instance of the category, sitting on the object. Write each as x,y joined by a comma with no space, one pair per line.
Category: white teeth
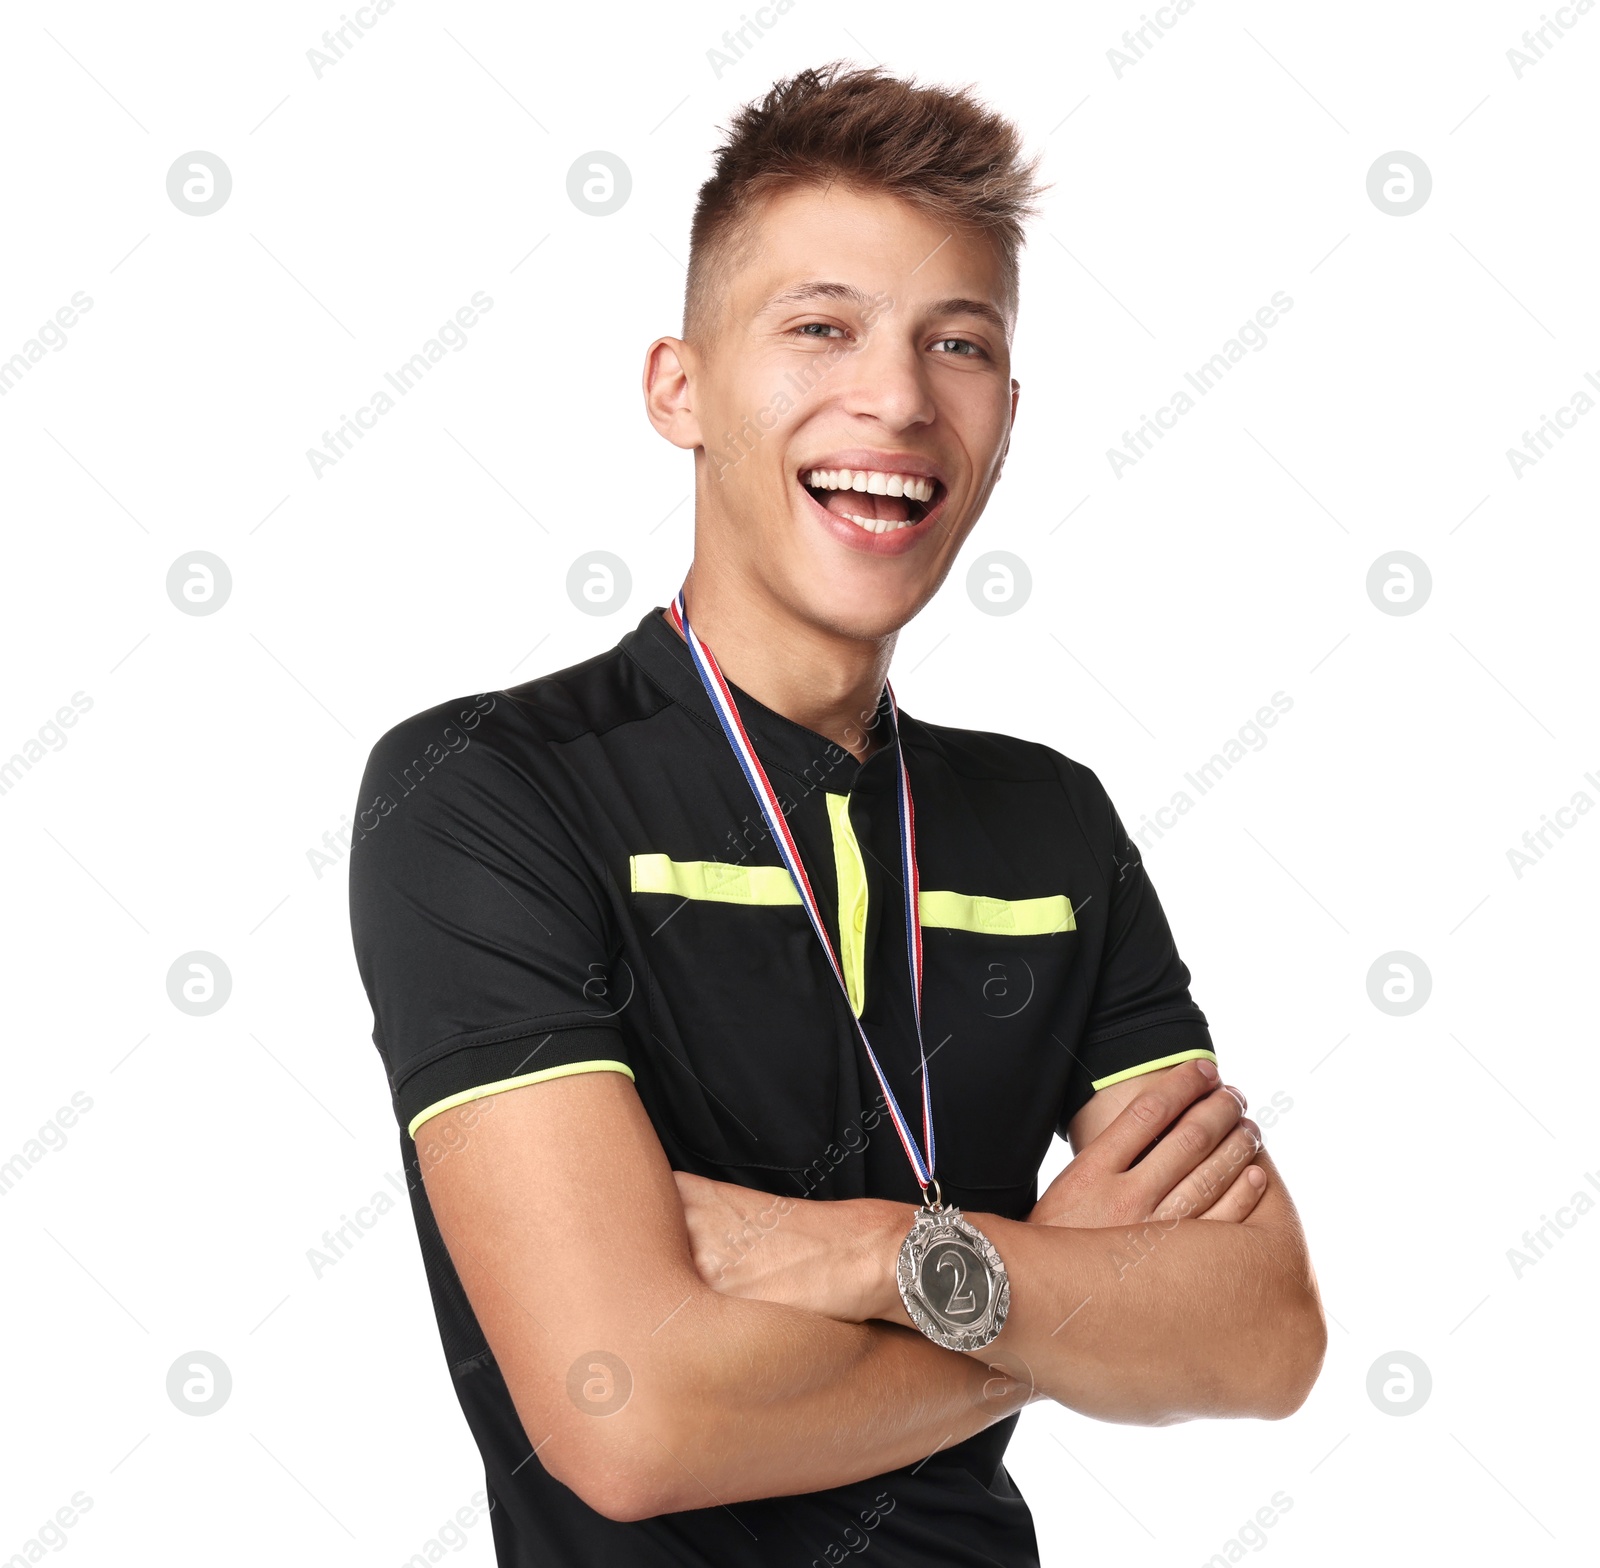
877,525
872,482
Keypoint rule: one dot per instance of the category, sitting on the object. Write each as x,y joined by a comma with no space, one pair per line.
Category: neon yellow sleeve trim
712,880
1150,1067
483,1091
1003,916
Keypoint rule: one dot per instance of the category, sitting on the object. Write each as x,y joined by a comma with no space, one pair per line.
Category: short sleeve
1141,1015
483,937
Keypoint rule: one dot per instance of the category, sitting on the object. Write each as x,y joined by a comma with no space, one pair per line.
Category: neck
821,679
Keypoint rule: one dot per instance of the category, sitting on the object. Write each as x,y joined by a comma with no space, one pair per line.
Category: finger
1187,1144
1240,1199
1215,1173
1196,1192
1149,1114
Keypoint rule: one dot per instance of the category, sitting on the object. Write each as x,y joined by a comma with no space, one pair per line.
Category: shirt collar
780,743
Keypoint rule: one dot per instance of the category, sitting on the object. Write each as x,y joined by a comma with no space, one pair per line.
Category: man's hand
1197,1147
835,1258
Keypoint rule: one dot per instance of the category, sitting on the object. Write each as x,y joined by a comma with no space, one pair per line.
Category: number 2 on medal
961,1299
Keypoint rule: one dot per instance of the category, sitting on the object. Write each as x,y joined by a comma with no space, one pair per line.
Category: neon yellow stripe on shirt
712,880
1150,1067
999,916
483,1091
852,876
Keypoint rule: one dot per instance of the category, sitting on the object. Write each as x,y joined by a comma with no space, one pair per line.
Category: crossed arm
661,1360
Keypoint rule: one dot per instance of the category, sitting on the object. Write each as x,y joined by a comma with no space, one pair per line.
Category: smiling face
851,408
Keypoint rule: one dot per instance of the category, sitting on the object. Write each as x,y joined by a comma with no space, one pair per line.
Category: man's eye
963,348
819,329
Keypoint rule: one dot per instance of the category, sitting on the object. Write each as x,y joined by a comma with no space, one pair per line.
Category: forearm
734,1399
1160,1322
779,1400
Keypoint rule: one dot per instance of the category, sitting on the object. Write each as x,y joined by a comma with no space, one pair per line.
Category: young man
729,1014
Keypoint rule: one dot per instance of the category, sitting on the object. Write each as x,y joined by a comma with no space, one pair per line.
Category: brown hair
938,149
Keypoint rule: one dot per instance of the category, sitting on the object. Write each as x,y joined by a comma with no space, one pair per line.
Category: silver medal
951,1280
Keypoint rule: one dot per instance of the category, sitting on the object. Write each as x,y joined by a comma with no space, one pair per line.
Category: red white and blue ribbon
727,712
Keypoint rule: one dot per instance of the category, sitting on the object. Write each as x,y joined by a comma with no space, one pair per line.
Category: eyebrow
814,289
972,307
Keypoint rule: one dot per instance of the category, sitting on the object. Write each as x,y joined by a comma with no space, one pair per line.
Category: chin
855,604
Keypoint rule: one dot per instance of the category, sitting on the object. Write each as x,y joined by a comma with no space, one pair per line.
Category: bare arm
1167,1320
1249,1334
641,1388
1123,1305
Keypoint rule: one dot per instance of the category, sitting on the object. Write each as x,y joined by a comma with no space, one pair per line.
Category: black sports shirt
573,876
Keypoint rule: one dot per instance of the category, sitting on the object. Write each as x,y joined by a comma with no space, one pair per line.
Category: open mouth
877,502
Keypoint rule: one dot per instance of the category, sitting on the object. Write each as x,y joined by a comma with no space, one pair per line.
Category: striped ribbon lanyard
732,726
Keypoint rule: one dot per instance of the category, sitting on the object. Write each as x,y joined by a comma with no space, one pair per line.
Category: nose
885,381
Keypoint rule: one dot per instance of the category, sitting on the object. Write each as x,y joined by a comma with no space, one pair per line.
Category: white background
1167,605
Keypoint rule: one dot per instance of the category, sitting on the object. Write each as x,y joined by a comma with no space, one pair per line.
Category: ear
668,392
1016,392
